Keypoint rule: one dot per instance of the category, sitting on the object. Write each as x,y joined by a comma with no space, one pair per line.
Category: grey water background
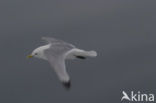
123,32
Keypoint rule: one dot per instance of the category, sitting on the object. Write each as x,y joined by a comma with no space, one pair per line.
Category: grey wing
50,39
54,41
58,63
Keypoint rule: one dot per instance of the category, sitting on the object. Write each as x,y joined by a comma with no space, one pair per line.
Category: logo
137,97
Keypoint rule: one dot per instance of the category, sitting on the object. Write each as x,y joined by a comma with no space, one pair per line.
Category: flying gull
56,52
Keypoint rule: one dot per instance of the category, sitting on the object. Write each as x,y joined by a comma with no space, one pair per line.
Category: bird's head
38,53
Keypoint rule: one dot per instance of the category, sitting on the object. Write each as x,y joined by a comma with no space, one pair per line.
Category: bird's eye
35,53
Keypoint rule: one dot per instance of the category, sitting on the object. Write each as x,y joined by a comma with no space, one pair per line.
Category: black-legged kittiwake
56,52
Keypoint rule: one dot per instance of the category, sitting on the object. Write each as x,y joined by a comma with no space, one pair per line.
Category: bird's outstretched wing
54,41
51,40
57,61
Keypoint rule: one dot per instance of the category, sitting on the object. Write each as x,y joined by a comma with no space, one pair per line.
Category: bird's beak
29,56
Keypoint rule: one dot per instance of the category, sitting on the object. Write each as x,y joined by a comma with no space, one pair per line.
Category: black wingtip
67,85
81,57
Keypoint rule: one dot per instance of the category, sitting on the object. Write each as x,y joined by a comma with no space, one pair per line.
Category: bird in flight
56,52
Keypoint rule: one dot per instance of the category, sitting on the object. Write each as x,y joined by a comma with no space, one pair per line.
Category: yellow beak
29,56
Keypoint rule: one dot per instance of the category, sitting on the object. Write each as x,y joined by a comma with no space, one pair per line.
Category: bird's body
56,52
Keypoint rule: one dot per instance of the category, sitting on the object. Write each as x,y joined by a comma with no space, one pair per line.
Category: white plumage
56,52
